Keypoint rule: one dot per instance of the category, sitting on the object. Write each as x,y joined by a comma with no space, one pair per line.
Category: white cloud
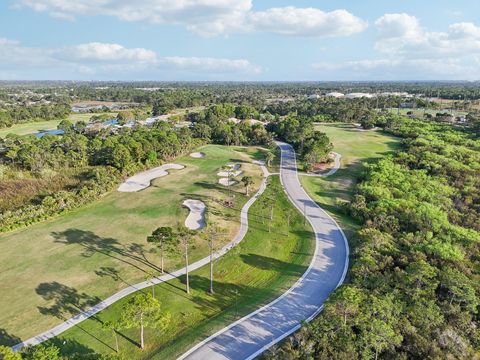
208,17
306,22
95,58
402,35
96,51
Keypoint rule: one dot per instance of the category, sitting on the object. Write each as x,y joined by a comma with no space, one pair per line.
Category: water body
49,132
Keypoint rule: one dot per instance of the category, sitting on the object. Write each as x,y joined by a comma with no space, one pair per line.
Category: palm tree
247,181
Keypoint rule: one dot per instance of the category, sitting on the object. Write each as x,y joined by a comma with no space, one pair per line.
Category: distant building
313,97
358,95
335,94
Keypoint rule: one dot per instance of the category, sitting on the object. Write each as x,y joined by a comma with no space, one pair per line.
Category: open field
262,267
355,147
93,252
33,127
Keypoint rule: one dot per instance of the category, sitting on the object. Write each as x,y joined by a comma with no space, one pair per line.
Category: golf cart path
77,319
256,332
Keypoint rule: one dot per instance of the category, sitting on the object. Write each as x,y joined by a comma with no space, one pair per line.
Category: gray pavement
253,334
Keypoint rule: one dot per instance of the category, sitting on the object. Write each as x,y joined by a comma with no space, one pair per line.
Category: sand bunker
227,182
144,179
196,219
230,173
197,155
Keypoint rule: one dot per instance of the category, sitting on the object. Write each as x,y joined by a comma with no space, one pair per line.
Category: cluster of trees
413,284
20,114
312,145
213,124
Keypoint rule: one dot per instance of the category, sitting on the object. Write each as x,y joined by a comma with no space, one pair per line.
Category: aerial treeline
215,124
412,290
312,146
340,109
20,114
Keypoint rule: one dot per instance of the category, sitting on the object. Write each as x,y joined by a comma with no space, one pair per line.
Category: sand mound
143,180
196,219
197,155
227,182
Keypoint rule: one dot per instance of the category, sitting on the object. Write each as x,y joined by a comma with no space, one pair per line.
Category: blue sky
240,39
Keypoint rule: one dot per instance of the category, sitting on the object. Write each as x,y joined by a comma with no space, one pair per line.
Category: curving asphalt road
75,320
253,334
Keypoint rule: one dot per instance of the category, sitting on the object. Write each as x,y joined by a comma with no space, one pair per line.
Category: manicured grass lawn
356,147
262,267
34,127
93,252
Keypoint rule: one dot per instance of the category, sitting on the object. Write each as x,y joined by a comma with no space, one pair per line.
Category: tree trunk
186,266
246,189
142,345
161,256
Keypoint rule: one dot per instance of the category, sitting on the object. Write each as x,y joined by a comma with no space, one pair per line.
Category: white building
335,94
358,95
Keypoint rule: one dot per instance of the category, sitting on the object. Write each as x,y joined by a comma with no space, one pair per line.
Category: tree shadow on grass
8,339
133,254
67,301
72,349
268,263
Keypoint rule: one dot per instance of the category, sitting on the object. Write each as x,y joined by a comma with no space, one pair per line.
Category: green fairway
355,147
262,267
34,127
95,251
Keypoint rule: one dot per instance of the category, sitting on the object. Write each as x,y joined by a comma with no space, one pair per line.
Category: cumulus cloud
403,35
306,22
95,58
409,51
209,17
96,51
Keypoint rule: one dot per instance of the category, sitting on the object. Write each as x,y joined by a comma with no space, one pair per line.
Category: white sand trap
230,173
227,182
144,179
197,155
196,219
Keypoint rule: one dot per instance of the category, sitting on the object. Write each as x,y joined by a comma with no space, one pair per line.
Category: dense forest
412,290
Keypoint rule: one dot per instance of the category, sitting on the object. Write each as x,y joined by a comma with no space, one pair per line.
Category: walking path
256,332
77,319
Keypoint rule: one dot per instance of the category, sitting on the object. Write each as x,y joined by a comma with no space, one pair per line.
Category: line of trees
21,114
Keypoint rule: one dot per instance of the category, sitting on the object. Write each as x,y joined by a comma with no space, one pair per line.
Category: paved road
75,320
253,334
